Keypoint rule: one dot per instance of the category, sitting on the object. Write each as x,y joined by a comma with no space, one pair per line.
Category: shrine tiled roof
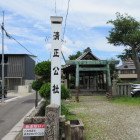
85,53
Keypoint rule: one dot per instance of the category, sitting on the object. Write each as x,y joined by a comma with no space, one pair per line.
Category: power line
11,37
55,8
66,18
3,59
65,27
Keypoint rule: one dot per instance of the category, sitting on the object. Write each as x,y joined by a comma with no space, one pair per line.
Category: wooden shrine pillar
68,80
109,88
77,83
103,86
108,76
97,81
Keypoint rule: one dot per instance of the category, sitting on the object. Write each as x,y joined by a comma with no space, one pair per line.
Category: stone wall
121,89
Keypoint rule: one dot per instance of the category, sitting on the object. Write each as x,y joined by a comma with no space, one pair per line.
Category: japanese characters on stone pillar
56,22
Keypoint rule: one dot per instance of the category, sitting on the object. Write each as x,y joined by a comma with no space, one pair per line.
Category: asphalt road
12,112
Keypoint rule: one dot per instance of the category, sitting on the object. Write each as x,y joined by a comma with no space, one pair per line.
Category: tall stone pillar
56,22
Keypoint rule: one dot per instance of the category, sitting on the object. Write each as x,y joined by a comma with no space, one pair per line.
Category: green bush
45,91
136,82
36,85
64,110
119,80
65,93
43,69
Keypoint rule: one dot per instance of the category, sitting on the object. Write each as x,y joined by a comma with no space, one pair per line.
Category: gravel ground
104,120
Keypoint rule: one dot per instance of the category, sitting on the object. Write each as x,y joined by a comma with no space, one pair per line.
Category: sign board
56,22
33,130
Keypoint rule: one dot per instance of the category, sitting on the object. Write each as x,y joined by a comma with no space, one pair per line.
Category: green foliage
65,111
65,93
72,82
78,53
45,91
127,100
36,85
126,31
75,56
43,108
126,54
136,82
43,69
119,80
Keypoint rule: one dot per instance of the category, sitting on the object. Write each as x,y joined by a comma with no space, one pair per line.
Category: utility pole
2,27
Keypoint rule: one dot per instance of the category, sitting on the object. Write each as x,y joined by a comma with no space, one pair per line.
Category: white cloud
34,9
83,16
40,27
66,51
81,12
26,35
74,44
48,47
100,43
68,47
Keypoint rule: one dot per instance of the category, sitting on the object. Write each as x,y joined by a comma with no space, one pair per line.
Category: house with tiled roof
127,71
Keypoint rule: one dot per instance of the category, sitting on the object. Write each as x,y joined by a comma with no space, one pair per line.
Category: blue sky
29,22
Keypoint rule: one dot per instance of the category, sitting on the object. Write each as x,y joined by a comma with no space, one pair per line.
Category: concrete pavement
13,95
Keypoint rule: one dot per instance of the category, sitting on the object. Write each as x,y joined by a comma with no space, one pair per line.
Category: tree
36,85
126,32
43,71
46,88
78,53
42,84
75,56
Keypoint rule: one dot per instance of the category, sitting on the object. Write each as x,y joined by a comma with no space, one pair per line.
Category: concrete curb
17,129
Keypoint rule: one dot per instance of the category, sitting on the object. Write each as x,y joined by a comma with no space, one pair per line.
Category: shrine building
88,73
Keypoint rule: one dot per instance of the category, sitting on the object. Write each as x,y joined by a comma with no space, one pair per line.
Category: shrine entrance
88,73
92,81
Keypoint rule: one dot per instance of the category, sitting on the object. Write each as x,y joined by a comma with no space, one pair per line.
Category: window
127,71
